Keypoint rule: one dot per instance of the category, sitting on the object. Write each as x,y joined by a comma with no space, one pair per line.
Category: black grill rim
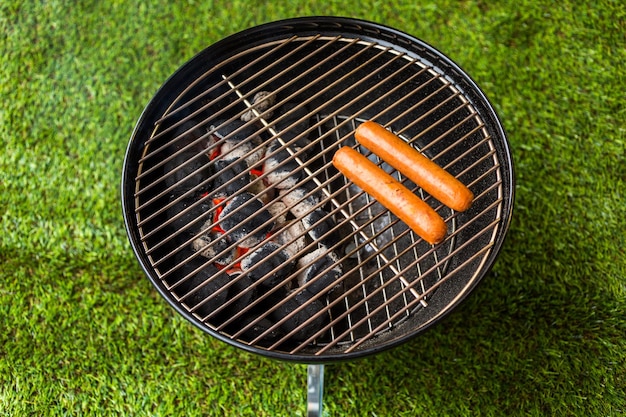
329,26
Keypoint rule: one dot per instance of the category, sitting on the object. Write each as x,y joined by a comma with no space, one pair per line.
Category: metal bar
315,390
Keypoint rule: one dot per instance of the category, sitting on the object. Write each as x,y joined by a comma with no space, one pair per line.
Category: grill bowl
344,71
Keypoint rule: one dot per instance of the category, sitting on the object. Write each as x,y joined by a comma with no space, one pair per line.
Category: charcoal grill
237,216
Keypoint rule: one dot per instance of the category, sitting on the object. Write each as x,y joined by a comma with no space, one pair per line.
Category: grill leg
315,393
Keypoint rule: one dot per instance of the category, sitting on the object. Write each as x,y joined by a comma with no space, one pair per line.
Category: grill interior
247,229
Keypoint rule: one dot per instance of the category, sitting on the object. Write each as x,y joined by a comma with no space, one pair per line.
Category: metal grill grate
322,88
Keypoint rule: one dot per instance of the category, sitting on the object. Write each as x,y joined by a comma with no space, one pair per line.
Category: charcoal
261,102
211,281
241,293
191,220
183,176
299,201
268,264
322,274
250,151
289,138
278,210
261,190
214,245
185,135
292,238
321,227
257,329
235,150
239,141
233,176
246,220
298,320
282,170
226,130
294,124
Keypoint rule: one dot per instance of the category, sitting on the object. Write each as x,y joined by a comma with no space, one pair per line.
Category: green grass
82,332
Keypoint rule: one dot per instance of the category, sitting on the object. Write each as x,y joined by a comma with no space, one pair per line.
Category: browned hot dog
433,179
417,214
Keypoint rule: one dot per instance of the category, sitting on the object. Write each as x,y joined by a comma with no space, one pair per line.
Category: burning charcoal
251,151
187,171
323,271
318,223
262,101
235,150
268,264
260,190
233,131
238,141
246,220
203,289
214,245
302,320
283,171
232,176
293,237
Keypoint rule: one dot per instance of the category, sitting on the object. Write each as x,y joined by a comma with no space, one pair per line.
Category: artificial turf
83,332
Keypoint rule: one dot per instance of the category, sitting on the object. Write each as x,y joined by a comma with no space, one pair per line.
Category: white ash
278,210
202,244
283,171
251,240
203,241
299,201
235,136
235,150
260,190
283,176
251,150
261,102
259,152
213,245
293,237
279,178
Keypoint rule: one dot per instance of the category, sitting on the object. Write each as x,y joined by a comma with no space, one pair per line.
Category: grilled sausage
417,214
422,171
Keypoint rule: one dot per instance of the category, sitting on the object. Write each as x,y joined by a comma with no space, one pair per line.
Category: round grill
238,217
